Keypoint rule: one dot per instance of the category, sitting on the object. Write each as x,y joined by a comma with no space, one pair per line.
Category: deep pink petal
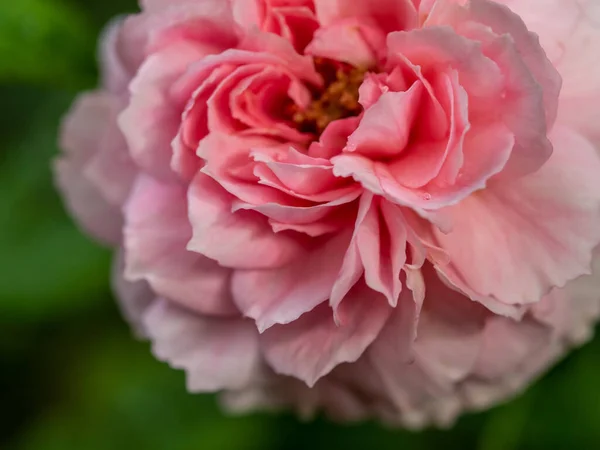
386,126
242,239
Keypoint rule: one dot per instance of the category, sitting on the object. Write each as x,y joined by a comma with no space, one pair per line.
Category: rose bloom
371,208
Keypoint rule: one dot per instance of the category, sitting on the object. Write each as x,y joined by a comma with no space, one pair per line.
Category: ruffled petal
569,33
389,15
280,296
215,353
151,121
313,345
156,233
90,120
528,235
243,239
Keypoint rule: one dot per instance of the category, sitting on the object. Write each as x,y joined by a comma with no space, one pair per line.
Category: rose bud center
337,99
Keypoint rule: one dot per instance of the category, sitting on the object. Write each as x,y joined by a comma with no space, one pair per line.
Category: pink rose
381,208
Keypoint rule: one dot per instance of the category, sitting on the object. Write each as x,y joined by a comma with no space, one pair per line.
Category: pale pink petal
243,239
360,168
215,353
134,298
151,121
111,169
313,345
117,68
351,41
395,343
451,328
389,15
507,344
418,366
160,5
440,48
569,32
156,234
502,21
522,93
82,134
536,233
205,24
293,19
314,229
280,296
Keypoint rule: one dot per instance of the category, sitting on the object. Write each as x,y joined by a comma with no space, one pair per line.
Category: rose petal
385,127
292,290
89,121
228,356
243,239
313,345
546,224
156,233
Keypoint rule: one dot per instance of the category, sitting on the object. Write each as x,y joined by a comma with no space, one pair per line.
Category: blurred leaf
566,412
115,395
47,267
506,424
47,42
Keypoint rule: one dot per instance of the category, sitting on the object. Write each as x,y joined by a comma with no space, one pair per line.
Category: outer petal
313,345
516,240
117,68
447,345
450,332
134,298
215,353
89,121
151,120
569,32
156,233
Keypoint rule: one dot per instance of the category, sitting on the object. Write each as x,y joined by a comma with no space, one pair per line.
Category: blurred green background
72,377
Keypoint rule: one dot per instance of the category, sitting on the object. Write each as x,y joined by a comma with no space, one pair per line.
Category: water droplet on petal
426,196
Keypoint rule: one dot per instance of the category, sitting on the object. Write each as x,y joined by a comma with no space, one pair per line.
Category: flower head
375,208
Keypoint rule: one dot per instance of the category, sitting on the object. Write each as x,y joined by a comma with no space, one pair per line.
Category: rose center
337,99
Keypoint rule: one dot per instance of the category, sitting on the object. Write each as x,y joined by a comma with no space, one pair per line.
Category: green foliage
47,266
45,41
71,374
